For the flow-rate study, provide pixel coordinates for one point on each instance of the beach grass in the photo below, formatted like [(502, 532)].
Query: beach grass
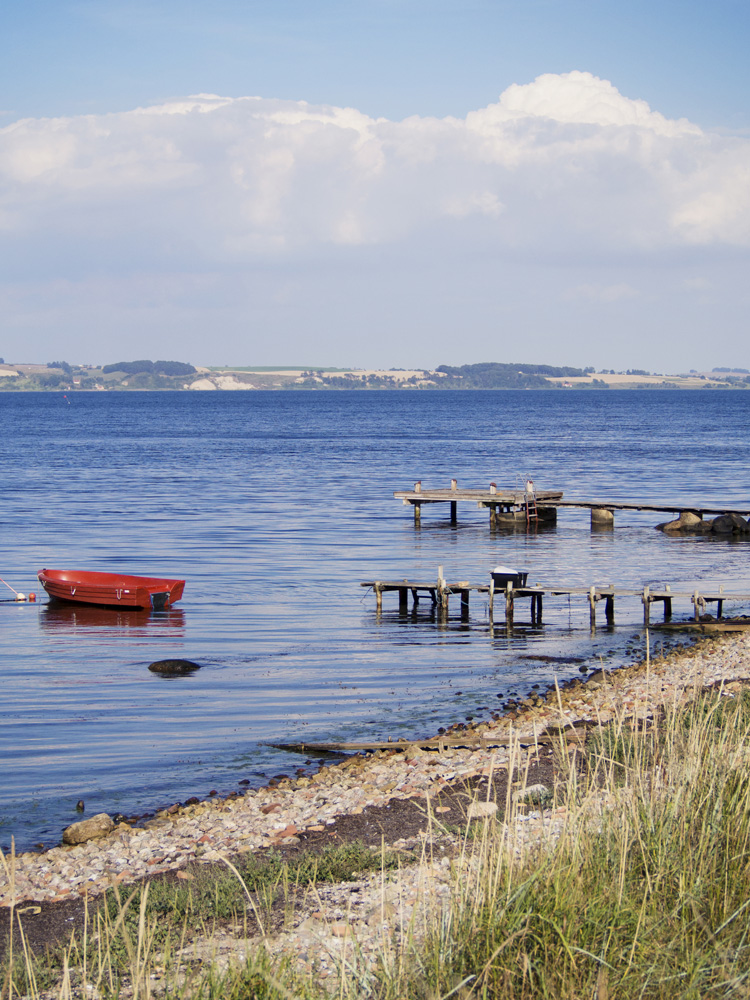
[(643, 893)]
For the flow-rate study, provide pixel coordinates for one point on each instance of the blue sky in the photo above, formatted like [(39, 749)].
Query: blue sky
[(595, 213)]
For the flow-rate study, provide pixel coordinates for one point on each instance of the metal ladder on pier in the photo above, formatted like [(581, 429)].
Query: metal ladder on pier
[(532, 515)]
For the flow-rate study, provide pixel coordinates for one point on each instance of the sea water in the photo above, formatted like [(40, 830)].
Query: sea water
[(274, 506)]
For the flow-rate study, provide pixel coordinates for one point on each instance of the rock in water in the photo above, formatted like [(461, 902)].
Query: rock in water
[(88, 829), (174, 666), (725, 524)]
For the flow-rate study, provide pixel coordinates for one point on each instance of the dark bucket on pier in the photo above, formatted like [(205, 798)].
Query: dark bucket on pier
[(502, 576)]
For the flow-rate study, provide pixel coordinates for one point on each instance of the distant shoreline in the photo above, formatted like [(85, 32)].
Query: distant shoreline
[(178, 376), (612, 387)]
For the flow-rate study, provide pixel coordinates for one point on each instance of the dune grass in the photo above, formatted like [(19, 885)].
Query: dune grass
[(647, 892), (644, 894)]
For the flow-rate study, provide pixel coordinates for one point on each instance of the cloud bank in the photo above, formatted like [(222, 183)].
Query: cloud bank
[(563, 158), (562, 167)]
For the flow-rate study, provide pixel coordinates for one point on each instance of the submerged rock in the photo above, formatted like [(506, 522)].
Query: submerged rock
[(173, 666)]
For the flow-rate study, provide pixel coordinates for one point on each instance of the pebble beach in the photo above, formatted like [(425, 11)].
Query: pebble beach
[(273, 817)]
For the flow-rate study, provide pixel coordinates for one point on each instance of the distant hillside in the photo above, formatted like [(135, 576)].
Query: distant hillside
[(494, 375), (144, 375)]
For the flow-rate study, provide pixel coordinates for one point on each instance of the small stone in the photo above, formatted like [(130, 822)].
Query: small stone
[(481, 810), (538, 794)]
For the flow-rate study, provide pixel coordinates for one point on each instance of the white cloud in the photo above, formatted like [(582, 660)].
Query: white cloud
[(285, 221), (576, 98), (564, 162)]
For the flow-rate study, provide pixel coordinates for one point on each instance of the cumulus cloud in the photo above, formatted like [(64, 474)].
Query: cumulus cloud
[(565, 162)]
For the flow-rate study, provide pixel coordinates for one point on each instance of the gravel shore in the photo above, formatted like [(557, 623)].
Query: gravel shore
[(340, 916)]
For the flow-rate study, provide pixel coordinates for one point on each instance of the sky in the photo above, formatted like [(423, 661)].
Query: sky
[(376, 183)]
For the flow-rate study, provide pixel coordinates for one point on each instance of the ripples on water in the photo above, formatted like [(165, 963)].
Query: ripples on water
[(273, 506)]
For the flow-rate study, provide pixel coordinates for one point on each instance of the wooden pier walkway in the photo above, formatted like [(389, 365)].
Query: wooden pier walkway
[(532, 506), (440, 591)]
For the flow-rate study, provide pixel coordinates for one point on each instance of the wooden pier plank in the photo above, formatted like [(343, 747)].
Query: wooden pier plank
[(554, 498)]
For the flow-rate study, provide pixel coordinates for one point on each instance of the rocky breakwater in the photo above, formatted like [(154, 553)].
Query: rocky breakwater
[(689, 523), (274, 817)]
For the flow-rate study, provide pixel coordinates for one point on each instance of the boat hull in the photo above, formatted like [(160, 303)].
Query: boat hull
[(110, 590)]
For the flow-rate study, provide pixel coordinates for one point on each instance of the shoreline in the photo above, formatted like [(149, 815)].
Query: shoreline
[(275, 816)]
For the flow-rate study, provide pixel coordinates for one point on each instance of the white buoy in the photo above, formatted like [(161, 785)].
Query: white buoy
[(20, 597)]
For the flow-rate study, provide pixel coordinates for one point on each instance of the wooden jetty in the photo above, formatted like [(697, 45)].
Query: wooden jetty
[(440, 592), (532, 507), (505, 505)]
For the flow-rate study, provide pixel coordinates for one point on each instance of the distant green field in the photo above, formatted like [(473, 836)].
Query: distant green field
[(277, 368)]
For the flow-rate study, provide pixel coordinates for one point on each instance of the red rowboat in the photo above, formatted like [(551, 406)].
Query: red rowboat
[(112, 590)]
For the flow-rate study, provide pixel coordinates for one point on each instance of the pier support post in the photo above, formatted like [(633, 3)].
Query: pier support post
[(378, 597), (667, 606), (417, 515), (464, 603), (700, 605), (509, 603), (403, 600), (602, 519), (491, 606), (536, 609), (454, 512), (442, 591), (609, 608), (646, 606), (592, 607)]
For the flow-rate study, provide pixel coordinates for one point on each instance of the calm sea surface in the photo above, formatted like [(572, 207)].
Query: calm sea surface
[(274, 506)]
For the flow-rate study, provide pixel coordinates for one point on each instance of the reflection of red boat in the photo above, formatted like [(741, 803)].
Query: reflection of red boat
[(113, 590), (61, 616)]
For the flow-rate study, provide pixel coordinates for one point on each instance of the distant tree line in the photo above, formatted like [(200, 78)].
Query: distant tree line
[(494, 375), (150, 368)]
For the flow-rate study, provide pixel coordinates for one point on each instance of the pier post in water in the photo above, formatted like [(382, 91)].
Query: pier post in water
[(454, 505), (493, 507), (442, 591), (509, 603), (592, 607), (609, 606), (602, 519), (536, 609), (418, 506)]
